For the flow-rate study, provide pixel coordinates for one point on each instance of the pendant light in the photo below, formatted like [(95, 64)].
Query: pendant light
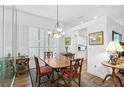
[(57, 31)]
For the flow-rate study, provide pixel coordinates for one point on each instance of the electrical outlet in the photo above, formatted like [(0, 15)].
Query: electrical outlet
[(95, 66)]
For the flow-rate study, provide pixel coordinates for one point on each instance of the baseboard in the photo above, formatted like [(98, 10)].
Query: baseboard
[(13, 80)]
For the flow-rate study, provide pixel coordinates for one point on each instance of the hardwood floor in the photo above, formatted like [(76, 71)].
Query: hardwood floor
[(87, 80)]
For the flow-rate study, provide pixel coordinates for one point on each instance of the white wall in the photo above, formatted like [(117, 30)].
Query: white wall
[(97, 53), (34, 21), (113, 25)]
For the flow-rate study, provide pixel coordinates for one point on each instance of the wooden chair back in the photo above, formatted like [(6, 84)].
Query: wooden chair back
[(76, 65), (71, 56), (37, 65), (48, 54)]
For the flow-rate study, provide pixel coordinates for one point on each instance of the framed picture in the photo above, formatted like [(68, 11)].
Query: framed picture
[(116, 36), (67, 40), (96, 38)]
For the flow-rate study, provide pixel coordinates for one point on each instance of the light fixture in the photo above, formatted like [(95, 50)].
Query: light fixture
[(114, 47), (57, 31)]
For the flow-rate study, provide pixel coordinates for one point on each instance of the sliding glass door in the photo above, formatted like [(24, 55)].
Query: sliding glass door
[(7, 45), (33, 41), (1, 46)]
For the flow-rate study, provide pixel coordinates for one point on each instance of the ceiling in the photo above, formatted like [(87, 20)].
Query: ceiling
[(75, 14)]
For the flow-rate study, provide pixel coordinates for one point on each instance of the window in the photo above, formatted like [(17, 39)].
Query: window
[(38, 42)]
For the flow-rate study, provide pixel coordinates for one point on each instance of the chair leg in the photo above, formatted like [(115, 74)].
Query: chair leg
[(48, 75), (36, 76), (58, 83), (38, 81), (69, 82), (65, 82), (52, 75), (119, 81), (79, 80), (58, 80)]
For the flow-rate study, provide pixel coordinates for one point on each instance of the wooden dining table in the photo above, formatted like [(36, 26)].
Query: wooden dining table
[(57, 62)]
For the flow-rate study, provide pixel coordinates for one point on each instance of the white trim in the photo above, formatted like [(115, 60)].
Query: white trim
[(13, 80), (3, 31)]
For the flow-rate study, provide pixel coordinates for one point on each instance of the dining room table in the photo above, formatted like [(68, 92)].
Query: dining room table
[(58, 63)]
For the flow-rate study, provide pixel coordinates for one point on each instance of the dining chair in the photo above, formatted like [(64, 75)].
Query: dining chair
[(22, 65), (69, 55), (48, 54), (41, 71), (72, 73)]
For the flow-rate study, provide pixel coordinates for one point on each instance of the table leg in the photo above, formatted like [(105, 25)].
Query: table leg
[(119, 80), (56, 80), (114, 80), (58, 77), (114, 76), (109, 75)]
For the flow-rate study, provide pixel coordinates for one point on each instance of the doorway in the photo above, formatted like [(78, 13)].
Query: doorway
[(81, 44)]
